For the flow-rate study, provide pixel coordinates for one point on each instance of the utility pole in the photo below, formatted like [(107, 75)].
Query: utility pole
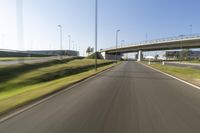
[(96, 32)]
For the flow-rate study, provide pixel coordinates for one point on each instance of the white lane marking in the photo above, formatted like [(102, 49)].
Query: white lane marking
[(183, 81), (28, 107)]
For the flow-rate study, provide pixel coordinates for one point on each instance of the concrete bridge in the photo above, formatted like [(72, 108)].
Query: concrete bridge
[(180, 42)]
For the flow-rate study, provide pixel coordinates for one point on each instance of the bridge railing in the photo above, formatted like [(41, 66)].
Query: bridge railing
[(162, 40)]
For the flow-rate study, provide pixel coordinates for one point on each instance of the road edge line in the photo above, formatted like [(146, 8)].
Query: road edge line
[(50, 96), (174, 77)]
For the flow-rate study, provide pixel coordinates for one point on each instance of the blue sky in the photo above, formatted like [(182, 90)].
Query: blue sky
[(135, 19)]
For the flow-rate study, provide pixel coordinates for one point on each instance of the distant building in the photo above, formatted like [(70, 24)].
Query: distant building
[(194, 54), (15, 53), (55, 52), (177, 54), (39, 53)]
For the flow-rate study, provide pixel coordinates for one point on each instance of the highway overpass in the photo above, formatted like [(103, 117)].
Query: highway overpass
[(180, 42)]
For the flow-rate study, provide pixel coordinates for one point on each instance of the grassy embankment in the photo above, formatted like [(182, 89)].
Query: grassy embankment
[(23, 83), (17, 58), (186, 73)]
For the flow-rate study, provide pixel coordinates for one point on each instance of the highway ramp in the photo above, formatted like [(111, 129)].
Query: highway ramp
[(130, 98)]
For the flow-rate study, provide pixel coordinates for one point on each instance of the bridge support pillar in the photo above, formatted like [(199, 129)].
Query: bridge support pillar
[(139, 55)]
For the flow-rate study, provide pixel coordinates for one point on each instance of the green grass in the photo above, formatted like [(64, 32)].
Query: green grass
[(10, 58), (17, 58), (185, 73), (23, 83)]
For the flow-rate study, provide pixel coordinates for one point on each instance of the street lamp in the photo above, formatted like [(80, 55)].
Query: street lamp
[(72, 45), (69, 36), (60, 26), (96, 31), (117, 32)]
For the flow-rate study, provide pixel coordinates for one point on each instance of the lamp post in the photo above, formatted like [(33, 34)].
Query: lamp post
[(60, 27), (96, 31), (117, 33), (69, 36), (74, 45)]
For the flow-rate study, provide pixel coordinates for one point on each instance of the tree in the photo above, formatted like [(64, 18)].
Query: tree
[(156, 57), (172, 54), (185, 54), (89, 50), (92, 50)]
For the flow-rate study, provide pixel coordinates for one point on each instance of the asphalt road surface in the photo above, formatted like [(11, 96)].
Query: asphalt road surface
[(130, 98)]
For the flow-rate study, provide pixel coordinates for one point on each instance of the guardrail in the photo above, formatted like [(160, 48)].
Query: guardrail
[(162, 40)]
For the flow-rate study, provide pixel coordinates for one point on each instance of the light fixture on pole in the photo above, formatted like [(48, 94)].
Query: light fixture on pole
[(72, 45)]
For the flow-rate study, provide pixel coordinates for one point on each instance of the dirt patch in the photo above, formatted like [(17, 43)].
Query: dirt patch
[(196, 81)]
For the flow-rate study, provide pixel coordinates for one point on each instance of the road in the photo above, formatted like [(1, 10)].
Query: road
[(130, 98)]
